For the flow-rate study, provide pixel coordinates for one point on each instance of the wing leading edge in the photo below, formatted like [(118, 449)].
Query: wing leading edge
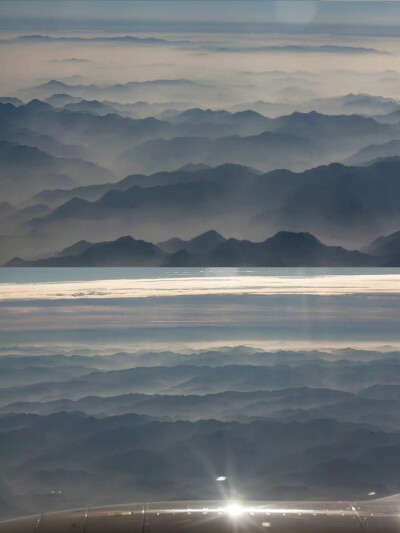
[(375, 516)]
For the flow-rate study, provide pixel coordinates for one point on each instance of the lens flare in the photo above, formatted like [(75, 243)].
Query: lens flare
[(234, 509)]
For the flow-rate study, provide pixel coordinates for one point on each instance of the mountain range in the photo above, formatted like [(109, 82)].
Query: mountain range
[(242, 166), (27, 170), (178, 88), (346, 205), (70, 420), (126, 145), (285, 249), (84, 169), (286, 142)]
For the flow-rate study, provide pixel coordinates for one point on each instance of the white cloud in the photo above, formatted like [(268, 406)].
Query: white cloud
[(206, 285)]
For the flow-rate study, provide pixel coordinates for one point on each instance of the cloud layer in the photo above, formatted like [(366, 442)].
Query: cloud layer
[(213, 282)]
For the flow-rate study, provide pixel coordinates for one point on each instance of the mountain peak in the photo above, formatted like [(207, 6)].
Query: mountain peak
[(53, 84), (201, 244), (210, 234), (126, 240), (192, 167), (37, 104), (291, 237)]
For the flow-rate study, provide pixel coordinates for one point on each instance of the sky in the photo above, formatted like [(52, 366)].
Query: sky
[(196, 15), (247, 36), (193, 306)]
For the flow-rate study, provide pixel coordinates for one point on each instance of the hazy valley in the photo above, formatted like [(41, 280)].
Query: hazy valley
[(136, 419), (234, 169), (245, 153)]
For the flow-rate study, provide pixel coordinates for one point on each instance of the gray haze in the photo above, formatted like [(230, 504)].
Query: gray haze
[(165, 120), (213, 139), (189, 376)]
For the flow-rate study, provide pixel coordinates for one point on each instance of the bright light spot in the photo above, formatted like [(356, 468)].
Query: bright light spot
[(234, 509), (371, 493), (222, 478), (266, 524)]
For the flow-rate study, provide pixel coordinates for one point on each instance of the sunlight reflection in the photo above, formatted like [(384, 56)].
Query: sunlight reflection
[(319, 285)]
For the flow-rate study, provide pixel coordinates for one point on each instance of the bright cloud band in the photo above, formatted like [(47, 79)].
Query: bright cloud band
[(320, 285)]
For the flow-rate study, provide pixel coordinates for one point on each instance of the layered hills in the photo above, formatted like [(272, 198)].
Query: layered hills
[(285, 249)]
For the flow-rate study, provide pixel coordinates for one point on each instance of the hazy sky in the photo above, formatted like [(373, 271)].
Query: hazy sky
[(192, 15), (247, 36)]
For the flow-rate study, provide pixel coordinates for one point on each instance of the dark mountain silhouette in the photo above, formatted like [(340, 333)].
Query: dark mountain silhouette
[(109, 137), (342, 205), (94, 417), (295, 141), (183, 175), (125, 251), (346, 205), (26, 170), (61, 99), (208, 249), (37, 105), (46, 143), (386, 248), (128, 39), (90, 106), (355, 103), (311, 458), (264, 151), (286, 249), (137, 110), (202, 244), (19, 216), (180, 89), (374, 151), (102, 136), (11, 100), (299, 48), (77, 248), (348, 104), (243, 123), (353, 202), (192, 167), (339, 126), (189, 379), (224, 406), (389, 118)]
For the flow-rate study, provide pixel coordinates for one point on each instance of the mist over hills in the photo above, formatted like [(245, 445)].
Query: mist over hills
[(77, 168), (169, 135), (188, 174), (83, 417), (285, 249), (202, 244), (314, 134), (180, 89), (365, 104), (27, 170), (297, 141), (348, 206), (374, 152)]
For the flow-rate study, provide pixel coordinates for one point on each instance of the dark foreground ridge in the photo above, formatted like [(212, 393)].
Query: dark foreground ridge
[(285, 249)]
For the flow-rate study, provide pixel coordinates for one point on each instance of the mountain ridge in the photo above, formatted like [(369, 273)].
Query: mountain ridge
[(208, 249)]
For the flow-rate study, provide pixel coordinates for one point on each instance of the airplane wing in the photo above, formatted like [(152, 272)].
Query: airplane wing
[(374, 516)]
